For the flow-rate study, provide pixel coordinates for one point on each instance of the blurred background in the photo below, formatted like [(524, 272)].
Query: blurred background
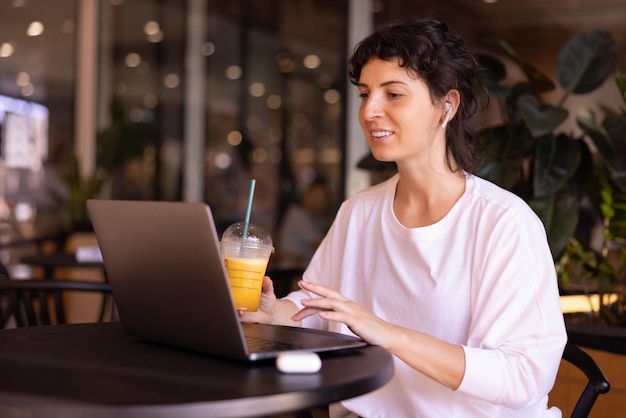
[(189, 100)]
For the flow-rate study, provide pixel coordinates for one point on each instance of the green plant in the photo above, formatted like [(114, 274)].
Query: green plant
[(77, 190), (123, 140), (560, 173)]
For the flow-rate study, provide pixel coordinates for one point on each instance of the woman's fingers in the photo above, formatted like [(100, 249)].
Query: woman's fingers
[(305, 313), (320, 290), (266, 305), (330, 301)]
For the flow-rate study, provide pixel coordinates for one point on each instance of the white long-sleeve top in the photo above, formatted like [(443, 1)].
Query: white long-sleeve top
[(482, 277)]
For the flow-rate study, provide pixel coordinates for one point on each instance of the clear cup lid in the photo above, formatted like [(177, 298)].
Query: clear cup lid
[(255, 236)]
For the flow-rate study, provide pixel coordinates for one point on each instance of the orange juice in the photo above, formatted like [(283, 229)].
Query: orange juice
[(246, 279)]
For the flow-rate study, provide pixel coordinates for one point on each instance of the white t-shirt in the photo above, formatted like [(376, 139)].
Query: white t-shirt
[(482, 277)]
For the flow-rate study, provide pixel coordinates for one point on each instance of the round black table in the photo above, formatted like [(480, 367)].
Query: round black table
[(52, 261), (97, 370)]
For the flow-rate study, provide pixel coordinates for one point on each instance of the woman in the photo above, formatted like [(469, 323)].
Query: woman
[(448, 272)]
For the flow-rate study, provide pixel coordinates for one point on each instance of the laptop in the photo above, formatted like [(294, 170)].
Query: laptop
[(163, 262)]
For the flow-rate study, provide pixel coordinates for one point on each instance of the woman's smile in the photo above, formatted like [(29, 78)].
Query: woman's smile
[(381, 135)]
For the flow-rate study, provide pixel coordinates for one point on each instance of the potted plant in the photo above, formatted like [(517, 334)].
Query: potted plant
[(563, 175), (72, 199), (120, 144)]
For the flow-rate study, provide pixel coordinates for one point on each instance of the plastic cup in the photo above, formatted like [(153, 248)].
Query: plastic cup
[(246, 262)]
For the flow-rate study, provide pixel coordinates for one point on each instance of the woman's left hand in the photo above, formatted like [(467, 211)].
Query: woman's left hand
[(335, 307)]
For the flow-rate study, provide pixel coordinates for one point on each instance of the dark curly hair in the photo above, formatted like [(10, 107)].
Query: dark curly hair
[(440, 58)]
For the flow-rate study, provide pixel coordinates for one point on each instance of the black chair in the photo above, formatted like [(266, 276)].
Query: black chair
[(34, 302), (40, 301), (597, 383)]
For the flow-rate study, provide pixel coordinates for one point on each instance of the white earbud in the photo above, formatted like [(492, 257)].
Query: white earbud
[(448, 112)]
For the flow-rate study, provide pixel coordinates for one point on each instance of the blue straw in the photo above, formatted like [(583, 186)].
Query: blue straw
[(248, 210)]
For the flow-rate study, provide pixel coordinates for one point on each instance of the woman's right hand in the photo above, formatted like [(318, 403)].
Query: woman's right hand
[(267, 305)]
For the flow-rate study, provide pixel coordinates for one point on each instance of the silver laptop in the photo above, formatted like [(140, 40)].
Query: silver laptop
[(163, 262)]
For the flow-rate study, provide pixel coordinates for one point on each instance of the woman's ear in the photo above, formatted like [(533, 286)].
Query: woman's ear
[(448, 113), (451, 104)]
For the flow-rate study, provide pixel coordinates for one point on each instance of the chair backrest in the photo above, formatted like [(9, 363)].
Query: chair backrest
[(597, 383), (40, 301)]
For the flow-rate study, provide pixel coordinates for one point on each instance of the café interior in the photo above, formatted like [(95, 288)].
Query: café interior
[(189, 100)]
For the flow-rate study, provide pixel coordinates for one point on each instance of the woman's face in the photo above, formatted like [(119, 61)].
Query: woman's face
[(397, 113)]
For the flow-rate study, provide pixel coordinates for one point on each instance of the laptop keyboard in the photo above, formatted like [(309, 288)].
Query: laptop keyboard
[(259, 345)]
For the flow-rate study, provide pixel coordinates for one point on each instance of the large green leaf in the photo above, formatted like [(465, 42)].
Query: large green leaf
[(492, 72), (609, 138), (578, 185), (586, 120), (540, 118), (556, 161), (615, 126), (586, 61), (621, 84), (559, 214), (505, 152)]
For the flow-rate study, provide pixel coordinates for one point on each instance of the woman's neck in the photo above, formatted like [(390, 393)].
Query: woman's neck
[(424, 197)]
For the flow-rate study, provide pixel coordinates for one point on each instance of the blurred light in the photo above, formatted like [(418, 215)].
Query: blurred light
[(151, 27), (377, 6), (171, 81), (6, 50), (208, 49), (157, 37), (285, 63), (132, 60), (332, 96), (286, 66), (19, 3), (330, 156), (257, 89), (153, 31), (259, 155), (234, 138), (67, 26), (150, 101), (274, 101), (490, 1), (300, 120), (24, 212), (311, 61), (222, 160), (23, 79), (21, 271), (35, 28), (233, 72)]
